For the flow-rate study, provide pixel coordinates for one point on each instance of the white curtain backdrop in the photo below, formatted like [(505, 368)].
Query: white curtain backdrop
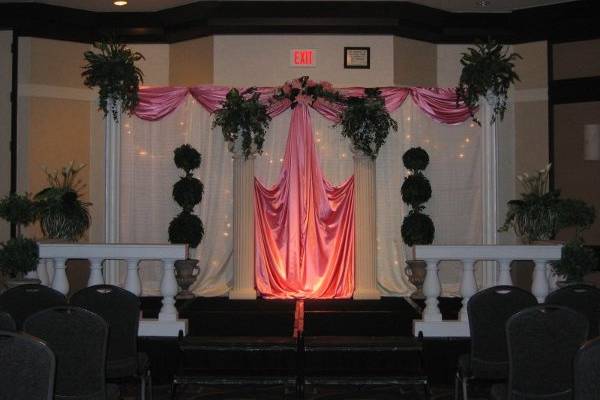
[(148, 174)]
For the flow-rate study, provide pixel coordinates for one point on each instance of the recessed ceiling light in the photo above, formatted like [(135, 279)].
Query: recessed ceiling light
[(120, 3), (483, 3)]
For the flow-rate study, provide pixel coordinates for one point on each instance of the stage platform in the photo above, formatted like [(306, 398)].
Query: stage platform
[(219, 316)]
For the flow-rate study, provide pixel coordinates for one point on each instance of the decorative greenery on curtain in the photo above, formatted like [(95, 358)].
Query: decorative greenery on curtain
[(367, 122), (307, 90)]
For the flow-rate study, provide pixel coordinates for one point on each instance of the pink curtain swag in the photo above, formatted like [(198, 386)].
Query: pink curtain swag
[(304, 226)]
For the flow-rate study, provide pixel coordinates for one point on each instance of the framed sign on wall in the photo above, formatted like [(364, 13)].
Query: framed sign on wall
[(357, 57)]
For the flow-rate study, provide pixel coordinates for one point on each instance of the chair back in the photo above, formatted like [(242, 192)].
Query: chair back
[(581, 298), (542, 342), (121, 311), (78, 339), (25, 300), (587, 371), (488, 312), (27, 368), (7, 323)]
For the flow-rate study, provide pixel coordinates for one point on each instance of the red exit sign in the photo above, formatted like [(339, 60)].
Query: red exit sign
[(303, 57)]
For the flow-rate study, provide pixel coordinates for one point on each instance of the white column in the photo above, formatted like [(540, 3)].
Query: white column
[(60, 281), (505, 278), (468, 287), (489, 176), (432, 290), (168, 290), (365, 223), (42, 272), (95, 272), (243, 225), (112, 169), (132, 280), (539, 286)]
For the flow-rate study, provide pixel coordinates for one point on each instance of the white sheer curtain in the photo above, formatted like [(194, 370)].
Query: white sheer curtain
[(148, 174)]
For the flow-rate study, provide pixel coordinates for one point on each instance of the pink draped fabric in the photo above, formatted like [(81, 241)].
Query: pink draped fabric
[(304, 226), (438, 103)]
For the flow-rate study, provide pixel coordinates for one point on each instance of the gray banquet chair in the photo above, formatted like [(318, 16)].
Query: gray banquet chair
[(27, 370), (121, 311), (488, 312), (587, 371), (581, 298), (7, 323), (542, 342), (25, 300), (78, 339)]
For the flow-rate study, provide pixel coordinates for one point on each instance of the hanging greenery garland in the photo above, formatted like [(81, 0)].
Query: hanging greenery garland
[(307, 90), (367, 122), (242, 114), (488, 71), (114, 72)]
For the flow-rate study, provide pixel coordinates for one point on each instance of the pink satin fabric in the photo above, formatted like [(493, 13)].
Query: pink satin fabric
[(304, 226), (438, 103)]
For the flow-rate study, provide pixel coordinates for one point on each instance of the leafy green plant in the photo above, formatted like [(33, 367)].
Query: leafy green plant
[(114, 72), (417, 227), (18, 209), (306, 90), (18, 256), (576, 261), (367, 122), (541, 213), (63, 214), (242, 114), (186, 227), (487, 70)]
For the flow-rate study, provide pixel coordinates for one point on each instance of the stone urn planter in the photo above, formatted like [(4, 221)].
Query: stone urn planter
[(416, 270), (186, 272)]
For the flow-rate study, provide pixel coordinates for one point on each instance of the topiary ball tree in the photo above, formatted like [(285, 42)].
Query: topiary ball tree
[(187, 228), (417, 227)]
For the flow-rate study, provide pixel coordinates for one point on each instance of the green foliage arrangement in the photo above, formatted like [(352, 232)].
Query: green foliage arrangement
[(18, 209), (487, 70), (186, 227), (541, 213), (114, 72), (306, 90), (417, 227), (242, 114), (367, 122), (63, 214), (18, 256), (576, 261)]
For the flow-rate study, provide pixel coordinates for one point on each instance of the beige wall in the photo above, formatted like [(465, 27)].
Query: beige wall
[(191, 62), (5, 113), (415, 63), (576, 59), (264, 60), (575, 177)]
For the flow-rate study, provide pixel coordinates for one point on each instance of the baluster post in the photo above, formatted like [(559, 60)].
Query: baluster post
[(60, 281), (132, 280), (505, 278), (42, 272), (468, 287), (432, 290), (539, 286), (96, 277), (168, 290)]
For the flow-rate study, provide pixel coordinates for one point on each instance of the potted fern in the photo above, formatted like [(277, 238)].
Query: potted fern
[(367, 122), (417, 227), (19, 255), (186, 227), (61, 210), (244, 121), (113, 70), (487, 72)]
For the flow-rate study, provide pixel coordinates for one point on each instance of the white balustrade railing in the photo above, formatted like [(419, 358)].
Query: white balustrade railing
[(56, 255), (432, 324)]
